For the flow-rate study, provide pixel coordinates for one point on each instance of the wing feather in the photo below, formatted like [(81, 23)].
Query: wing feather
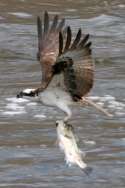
[(77, 39), (83, 41), (54, 24), (78, 75), (61, 43), (46, 23), (48, 46), (71, 58), (61, 24), (68, 40), (39, 30)]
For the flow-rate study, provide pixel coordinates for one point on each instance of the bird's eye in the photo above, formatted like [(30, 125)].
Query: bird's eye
[(20, 95)]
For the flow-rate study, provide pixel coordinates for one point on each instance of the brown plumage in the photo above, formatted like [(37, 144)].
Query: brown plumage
[(66, 64), (48, 46), (55, 48), (79, 76)]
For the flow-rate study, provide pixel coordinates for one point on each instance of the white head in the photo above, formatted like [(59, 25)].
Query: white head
[(27, 92)]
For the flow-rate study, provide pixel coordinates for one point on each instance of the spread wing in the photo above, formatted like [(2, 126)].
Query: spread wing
[(48, 46), (79, 72)]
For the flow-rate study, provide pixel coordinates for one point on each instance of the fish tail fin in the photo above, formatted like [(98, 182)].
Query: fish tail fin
[(87, 170), (81, 164)]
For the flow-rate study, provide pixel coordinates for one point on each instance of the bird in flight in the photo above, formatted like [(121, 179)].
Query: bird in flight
[(66, 64)]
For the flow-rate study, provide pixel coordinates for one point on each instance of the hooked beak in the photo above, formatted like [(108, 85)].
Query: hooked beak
[(20, 95)]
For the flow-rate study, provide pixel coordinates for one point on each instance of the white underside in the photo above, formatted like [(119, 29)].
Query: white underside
[(53, 96), (57, 97)]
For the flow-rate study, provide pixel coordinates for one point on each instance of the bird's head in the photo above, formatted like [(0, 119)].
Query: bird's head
[(27, 93)]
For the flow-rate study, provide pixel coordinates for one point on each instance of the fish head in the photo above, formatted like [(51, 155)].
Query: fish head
[(63, 127)]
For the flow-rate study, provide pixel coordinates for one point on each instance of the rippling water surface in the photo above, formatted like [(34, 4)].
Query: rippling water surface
[(28, 154)]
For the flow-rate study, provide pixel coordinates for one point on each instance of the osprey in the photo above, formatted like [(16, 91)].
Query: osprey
[(66, 64)]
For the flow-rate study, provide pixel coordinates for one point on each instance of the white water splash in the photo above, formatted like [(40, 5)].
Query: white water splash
[(31, 104), (20, 14), (41, 116), (17, 100), (89, 142), (12, 113), (14, 106)]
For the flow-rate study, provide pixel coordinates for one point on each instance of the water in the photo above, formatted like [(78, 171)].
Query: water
[(28, 154)]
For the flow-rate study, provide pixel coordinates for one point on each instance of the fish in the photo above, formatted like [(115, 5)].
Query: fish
[(67, 142)]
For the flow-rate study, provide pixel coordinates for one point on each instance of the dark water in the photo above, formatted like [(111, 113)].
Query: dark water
[(28, 155)]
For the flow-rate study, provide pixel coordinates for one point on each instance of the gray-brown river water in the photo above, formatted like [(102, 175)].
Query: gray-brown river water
[(28, 154)]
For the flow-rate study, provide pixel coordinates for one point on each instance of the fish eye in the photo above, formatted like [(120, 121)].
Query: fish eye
[(70, 127)]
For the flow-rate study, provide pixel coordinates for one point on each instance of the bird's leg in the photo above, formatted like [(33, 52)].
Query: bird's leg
[(69, 114), (67, 118), (64, 107)]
